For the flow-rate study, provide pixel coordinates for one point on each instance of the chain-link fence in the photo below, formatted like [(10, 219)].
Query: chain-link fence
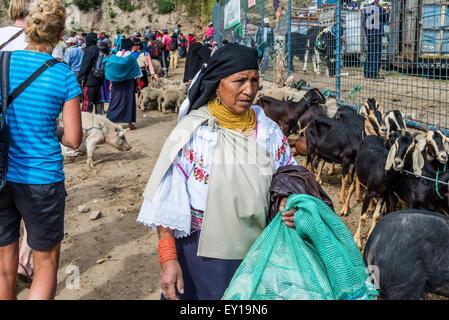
[(396, 51)]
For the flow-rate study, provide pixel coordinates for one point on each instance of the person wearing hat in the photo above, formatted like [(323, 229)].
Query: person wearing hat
[(374, 19), (198, 200), (73, 56), (214, 47), (264, 42), (146, 32)]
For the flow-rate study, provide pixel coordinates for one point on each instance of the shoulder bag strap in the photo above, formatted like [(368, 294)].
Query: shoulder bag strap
[(28, 81), (12, 38)]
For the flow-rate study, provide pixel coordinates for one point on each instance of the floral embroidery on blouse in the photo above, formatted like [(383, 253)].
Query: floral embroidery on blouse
[(282, 149), (198, 170)]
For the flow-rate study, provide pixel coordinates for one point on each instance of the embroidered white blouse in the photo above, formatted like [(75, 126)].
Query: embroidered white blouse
[(184, 186)]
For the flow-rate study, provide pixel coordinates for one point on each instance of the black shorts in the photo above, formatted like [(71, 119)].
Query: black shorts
[(41, 206)]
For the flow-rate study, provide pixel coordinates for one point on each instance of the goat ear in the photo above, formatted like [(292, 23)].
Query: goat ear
[(422, 143), (364, 111), (391, 156), (418, 161), (446, 143)]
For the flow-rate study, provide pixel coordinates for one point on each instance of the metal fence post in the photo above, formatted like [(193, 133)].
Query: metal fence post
[(289, 39), (246, 20), (219, 19), (261, 15), (338, 48)]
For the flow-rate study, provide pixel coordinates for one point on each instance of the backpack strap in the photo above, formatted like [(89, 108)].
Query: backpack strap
[(28, 81), (5, 57)]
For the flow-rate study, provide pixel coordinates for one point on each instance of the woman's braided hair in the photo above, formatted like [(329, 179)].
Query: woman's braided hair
[(45, 22)]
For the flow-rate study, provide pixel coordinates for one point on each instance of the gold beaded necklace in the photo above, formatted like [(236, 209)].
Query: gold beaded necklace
[(244, 123)]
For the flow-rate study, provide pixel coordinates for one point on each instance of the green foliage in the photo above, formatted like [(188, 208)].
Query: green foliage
[(165, 6), (112, 13), (86, 5), (150, 18), (125, 5), (201, 8)]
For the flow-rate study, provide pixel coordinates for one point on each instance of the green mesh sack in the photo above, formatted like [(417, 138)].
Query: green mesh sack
[(317, 261)]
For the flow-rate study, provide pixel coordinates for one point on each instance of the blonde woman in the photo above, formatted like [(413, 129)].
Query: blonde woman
[(35, 189), (13, 37)]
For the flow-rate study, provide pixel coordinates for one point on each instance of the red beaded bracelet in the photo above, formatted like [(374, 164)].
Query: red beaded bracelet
[(167, 250)]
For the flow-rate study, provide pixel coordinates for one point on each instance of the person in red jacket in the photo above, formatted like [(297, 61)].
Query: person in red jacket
[(158, 34), (166, 40), (190, 39)]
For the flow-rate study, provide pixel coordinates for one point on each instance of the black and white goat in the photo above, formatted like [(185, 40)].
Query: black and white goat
[(336, 142), (422, 189), (374, 171)]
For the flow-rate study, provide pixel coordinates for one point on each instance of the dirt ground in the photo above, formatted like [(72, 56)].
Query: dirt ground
[(116, 257)]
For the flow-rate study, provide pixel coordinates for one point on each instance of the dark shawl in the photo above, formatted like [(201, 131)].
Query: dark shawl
[(197, 55), (294, 179), (227, 60)]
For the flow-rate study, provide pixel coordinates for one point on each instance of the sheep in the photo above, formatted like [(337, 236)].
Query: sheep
[(172, 98), (408, 252), (148, 98)]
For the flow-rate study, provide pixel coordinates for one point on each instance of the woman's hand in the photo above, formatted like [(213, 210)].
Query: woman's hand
[(171, 274), (288, 216)]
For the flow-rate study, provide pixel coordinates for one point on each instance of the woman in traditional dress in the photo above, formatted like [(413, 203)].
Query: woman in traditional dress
[(124, 73), (105, 88), (208, 194)]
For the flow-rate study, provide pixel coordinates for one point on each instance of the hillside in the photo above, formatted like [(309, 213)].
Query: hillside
[(131, 15)]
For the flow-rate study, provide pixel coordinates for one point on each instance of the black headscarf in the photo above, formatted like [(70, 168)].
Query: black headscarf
[(127, 44), (227, 60)]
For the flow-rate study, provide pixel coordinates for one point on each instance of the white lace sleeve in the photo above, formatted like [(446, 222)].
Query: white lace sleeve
[(170, 207)]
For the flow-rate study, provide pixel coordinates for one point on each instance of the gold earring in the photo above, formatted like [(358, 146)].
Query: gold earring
[(218, 97)]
